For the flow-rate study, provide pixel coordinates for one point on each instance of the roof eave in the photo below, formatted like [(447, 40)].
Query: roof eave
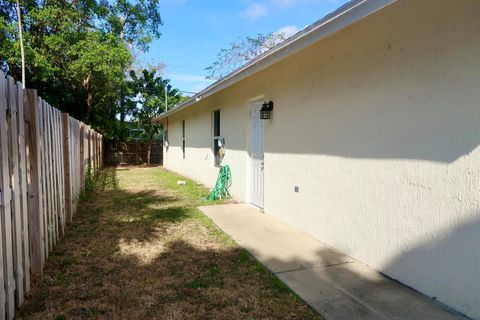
[(346, 15)]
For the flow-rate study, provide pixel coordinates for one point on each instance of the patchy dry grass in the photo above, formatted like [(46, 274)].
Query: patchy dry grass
[(139, 249)]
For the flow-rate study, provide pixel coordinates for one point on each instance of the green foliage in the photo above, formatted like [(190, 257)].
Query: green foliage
[(149, 96), (241, 52), (78, 53), (89, 184), (136, 22), (89, 180)]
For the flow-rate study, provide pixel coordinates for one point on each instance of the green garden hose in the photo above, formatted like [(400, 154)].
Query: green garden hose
[(224, 182)]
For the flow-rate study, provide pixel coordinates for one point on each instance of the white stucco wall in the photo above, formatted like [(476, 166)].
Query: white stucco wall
[(199, 161), (379, 127)]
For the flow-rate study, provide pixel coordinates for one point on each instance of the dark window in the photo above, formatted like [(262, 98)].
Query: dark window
[(183, 138), (216, 123), (216, 137)]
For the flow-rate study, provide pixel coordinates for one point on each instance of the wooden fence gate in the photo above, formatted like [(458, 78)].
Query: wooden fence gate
[(44, 159)]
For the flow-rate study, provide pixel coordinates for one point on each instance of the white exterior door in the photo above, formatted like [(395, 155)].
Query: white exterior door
[(256, 156)]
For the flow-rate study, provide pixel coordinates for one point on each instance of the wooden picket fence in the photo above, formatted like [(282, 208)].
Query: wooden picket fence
[(45, 156)]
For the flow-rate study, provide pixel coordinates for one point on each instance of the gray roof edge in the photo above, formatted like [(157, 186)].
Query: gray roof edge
[(339, 19)]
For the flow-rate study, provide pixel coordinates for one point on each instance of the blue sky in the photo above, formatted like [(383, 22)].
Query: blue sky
[(195, 30)]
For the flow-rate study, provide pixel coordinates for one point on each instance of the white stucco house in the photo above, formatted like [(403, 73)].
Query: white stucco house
[(373, 142)]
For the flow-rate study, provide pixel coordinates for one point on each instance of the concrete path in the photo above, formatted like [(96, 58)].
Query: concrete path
[(335, 285)]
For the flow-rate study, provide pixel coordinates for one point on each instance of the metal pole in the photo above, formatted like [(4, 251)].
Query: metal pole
[(20, 35), (166, 99)]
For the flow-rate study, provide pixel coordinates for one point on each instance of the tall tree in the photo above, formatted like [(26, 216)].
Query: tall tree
[(136, 23), (241, 52), (99, 63), (149, 96), (78, 53)]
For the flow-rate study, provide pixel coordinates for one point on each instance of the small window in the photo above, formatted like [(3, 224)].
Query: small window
[(217, 138), (216, 123), (183, 139)]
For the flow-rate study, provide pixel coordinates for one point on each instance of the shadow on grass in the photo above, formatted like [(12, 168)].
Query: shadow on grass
[(148, 253)]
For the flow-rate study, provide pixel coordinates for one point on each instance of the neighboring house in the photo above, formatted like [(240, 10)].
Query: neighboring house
[(373, 142)]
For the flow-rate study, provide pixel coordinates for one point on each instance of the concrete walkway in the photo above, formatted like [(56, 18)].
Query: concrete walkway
[(335, 285)]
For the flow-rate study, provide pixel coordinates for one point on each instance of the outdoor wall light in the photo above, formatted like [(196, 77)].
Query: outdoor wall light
[(266, 110)]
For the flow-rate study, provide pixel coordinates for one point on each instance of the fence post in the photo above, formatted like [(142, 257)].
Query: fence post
[(89, 144), (21, 102), (101, 151), (35, 194), (43, 178), (82, 157), (4, 197), (62, 170), (66, 167)]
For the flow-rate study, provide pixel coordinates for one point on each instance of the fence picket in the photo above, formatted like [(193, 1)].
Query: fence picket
[(43, 179), (14, 172), (55, 180), (7, 208), (4, 192), (43, 157), (61, 173), (49, 158), (82, 157), (21, 99), (34, 171)]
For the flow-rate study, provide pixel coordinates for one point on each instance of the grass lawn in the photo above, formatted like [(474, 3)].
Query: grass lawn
[(140, 249)]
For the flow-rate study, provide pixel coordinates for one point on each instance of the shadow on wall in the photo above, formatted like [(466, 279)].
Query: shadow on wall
[(399, 100), (411, 125), (416, 128), (448, 264)]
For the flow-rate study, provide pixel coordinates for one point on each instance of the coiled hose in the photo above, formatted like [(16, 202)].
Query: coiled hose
[(224, 182)]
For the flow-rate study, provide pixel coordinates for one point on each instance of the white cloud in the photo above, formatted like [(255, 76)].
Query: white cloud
[(254, 11), (288, 31)]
